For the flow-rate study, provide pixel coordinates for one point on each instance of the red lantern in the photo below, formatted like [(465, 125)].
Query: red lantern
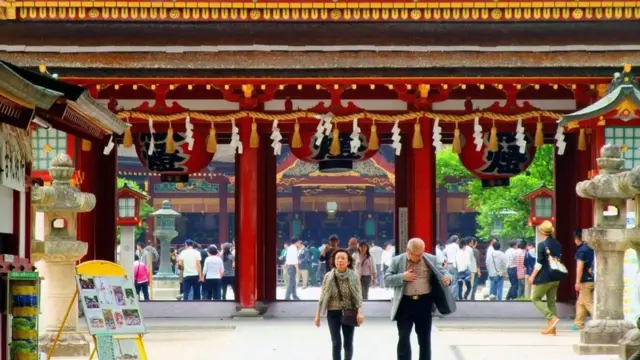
[(174, 167), (319, 153), (496, 168)]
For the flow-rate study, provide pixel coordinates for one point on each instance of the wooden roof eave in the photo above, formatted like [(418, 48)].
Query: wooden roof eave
[(23, 92), (87, 105), (604, 105)]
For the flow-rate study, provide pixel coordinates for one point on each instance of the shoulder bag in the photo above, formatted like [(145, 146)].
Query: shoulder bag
[(349, 316), (557, 270)]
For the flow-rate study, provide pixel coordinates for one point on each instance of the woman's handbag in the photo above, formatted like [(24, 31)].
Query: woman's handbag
[(349, 316), (557, 270)]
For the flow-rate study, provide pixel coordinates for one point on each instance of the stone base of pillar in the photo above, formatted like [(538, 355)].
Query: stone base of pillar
[(69, 344), (165, 289), (601, 337), (629, 345), (247, 313)]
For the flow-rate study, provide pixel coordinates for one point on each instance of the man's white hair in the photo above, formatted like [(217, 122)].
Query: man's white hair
[(415, 244)]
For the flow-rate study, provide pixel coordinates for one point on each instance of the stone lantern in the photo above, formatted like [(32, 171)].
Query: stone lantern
[(166, 284), (128, 219), (610, 239), (60, 251)]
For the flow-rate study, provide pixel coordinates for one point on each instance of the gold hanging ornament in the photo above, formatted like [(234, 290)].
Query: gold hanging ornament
[(254, 140), (212, 142), (456, 147), (493, 138), (86, 145), (335, 141), (582, 140), (374, 142), (296, 141), (417, 135), (170, 147)]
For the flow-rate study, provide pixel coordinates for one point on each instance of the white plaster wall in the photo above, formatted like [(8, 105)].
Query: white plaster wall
[(6, 210)]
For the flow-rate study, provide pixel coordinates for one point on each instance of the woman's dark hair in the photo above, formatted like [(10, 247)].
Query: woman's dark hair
[(136, 258), (338, 251), (212, 250), (496, 245), (366, 252), (462, 243), (334, 237), (226, 252), (522, 244)]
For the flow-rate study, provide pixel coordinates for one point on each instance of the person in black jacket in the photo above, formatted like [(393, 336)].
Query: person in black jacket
[(545, 280)]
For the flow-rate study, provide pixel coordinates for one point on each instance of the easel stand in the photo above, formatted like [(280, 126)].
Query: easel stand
[(90, 271)]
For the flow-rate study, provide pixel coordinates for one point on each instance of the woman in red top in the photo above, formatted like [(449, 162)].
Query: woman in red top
[(141, 278)]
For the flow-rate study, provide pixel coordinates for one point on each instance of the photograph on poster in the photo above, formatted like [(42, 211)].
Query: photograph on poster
[(110, 305), (126, 349)]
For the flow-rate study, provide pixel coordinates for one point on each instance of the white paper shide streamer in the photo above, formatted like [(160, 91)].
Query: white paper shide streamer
[(560, 143), (355, 137), (189, 132), (235, 143), (395, 131), (276, 137), (152, 143), (437, 136), (520, 137), (109, 147), (478, 138), (324, 127)]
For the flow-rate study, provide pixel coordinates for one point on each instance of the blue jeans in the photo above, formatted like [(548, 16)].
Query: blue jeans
[(475, 279), (379, 275), (496, 285), (463, 278)]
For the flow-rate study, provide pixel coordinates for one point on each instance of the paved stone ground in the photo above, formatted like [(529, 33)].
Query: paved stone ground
[(481, 339)]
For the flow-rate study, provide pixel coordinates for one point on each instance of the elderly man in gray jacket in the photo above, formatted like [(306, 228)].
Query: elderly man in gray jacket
[(419, 282)]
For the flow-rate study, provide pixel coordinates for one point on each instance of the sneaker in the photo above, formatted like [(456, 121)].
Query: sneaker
[(575, 328)]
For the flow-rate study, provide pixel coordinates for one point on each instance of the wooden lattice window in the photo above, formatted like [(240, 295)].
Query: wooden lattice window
[(630, 138), (47, 143)]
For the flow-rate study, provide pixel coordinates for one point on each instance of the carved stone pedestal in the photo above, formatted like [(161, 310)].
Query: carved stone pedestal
[(165, 288), (69, 344), (630, 344), (602, 334)]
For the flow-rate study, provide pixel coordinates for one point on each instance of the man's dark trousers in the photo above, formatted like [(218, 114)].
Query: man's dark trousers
[(414, 310)]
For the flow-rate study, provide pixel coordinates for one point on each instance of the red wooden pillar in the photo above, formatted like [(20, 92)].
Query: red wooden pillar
[(223, 216), (268, 247), (87, 221), (566, 210), (443, 214), (422, 190), (247, 231), (105, 212)]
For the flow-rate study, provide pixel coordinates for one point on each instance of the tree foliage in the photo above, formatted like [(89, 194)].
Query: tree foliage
[(499, 205), (145, 208)]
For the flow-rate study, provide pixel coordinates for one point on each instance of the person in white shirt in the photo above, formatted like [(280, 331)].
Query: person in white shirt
[(512, 271), (376, 251), (213, 271), (190, 262), (450, 252), (385, 259), (291, 263), (463, 262), (440, 255)]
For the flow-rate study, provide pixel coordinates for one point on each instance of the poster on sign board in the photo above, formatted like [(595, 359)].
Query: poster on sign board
[(110, 305)]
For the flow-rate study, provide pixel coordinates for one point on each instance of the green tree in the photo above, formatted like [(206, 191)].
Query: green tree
[(499, 205), (145, 208)]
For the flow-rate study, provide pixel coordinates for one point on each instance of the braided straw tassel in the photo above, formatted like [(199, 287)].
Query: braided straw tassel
[(170, 147), (582, 140), (539, 140), (374, 142), (417, 136), (493, 138), (335, 141), (296, 140), (456, 147), (212, 143), (254, 140)]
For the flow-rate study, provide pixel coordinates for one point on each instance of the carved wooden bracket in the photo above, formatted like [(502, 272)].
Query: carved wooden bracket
[(420, 102), (335, 106), (511, 105), (160, 105), (250, 97)]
